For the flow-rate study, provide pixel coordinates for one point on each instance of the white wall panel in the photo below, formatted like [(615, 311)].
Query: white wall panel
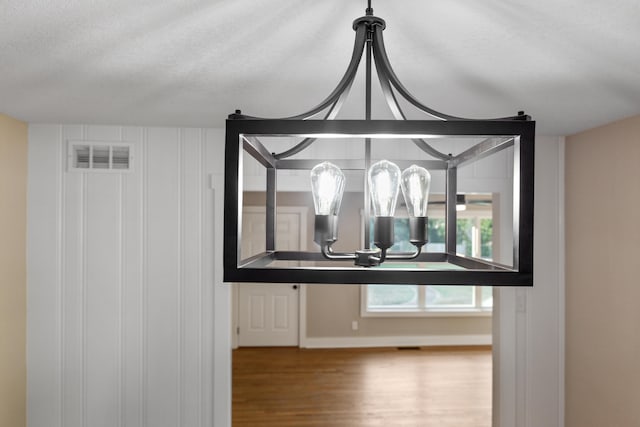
[(73, 241), (191, 190), (162, 284), (220, 341), (529, 323), (121, 295), (133, 278), (44, 275), (102, 301), (543, 320)]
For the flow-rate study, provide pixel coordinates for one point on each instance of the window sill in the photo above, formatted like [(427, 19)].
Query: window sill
[(451, 312)]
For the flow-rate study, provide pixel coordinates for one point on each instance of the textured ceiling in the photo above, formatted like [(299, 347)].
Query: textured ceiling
[(570, 64)]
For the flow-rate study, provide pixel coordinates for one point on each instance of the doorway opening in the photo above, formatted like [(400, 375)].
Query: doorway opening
[(275, 330)]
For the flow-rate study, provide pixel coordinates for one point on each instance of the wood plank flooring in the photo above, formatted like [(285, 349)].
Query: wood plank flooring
[(362, 387)]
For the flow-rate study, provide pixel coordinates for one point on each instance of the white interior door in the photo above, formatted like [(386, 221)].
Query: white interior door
[(268, 314)]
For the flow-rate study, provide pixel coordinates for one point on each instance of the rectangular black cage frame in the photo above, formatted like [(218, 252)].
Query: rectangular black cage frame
[(245, 135)]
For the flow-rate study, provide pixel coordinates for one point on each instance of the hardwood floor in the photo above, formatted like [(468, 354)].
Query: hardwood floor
[(362, 387)]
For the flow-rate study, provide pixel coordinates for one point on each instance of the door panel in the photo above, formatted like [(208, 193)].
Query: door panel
[(256, 314), (268, 314)]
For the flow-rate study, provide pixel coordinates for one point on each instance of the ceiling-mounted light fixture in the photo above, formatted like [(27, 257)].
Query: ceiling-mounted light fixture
[(447, 144)]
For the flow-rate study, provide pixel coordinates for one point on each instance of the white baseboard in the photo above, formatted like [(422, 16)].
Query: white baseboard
[(396, 341)]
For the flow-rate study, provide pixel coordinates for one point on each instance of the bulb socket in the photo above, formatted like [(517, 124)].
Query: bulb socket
[(418, 230), (325, 229), (383, 232)]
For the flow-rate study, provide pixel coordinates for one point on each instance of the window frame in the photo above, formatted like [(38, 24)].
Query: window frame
[(422, 310)]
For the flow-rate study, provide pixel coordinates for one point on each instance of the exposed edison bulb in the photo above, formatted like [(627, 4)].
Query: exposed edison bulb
[(327, 186), (384, 184), (415, 185)]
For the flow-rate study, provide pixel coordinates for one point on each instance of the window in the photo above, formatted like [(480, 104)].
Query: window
[(474, 238)]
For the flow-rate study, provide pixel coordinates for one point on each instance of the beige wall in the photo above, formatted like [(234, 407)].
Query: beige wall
[(602, 276), (13, 285), (334, 307)]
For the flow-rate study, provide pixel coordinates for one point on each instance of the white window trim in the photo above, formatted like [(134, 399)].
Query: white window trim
[(424, 311)]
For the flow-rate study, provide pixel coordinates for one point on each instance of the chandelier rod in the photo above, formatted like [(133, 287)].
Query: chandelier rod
[(367, 141)]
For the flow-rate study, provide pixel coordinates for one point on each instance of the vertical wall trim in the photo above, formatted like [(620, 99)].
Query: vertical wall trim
[(545, 309), (561, 281), (121, 303), (60, 258), (180, 290), (524, 372), (144, 229), (84, 291), (201, 204)]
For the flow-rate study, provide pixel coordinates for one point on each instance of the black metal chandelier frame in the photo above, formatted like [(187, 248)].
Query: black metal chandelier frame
[(244, 133)]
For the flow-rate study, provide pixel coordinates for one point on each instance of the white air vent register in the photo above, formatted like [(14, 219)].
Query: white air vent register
[(99, 156)]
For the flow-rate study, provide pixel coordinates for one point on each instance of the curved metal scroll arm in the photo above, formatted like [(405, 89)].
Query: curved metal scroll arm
[(397, 112), (344, 84), (295, 149), (384, 67), (331, 114)]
